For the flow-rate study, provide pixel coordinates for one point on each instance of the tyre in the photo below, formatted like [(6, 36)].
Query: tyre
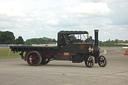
[(102, 62), (89, 61), (34, 58)]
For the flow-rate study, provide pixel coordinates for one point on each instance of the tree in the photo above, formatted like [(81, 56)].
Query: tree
[(19, 40), (7, 37)]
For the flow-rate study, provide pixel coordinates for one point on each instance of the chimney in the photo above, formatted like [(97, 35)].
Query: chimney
[(96, 37)]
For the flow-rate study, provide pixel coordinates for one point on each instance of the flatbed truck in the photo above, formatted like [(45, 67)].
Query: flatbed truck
[(75, 46)]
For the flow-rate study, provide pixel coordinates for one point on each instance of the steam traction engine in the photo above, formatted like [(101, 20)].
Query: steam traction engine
[(76, 46)]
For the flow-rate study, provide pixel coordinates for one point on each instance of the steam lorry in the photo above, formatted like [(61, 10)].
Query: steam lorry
[(75, 46)]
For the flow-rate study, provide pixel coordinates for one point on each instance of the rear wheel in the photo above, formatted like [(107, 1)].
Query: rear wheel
[(89, 61), (34, 58), (45, 61), (102, 62)]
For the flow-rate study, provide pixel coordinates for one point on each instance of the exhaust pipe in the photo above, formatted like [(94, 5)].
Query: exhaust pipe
[(96, 37)]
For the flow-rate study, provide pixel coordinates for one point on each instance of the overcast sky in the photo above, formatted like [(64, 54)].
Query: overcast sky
[(44, 18)]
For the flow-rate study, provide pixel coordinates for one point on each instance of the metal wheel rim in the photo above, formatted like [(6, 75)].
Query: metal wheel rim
[(33, 59), (89, 61), (102, 61)]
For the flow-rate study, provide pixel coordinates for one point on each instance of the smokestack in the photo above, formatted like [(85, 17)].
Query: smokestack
[(96, 37)]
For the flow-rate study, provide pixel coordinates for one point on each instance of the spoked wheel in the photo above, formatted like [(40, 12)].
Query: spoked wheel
[(34, 58), (89, 62), (102, 62), (45, 61)]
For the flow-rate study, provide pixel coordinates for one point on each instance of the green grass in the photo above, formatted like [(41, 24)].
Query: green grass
[(7, 53)]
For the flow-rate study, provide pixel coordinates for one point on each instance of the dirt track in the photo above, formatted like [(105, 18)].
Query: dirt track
[(18, 72)]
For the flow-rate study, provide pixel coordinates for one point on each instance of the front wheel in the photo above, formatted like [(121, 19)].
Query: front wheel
[(102, 62), (89, 61), (34, 58)]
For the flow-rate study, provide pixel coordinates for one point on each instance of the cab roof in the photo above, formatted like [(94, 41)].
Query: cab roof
[(72, 32)]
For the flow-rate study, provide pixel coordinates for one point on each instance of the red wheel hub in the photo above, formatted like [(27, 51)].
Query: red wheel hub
[(33, 59)]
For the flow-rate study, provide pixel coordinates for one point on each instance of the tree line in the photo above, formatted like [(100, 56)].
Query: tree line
[(115, 42), (7, 37), (43, 40)]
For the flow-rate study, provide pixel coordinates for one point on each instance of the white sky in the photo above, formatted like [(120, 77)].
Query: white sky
[(44, 18)]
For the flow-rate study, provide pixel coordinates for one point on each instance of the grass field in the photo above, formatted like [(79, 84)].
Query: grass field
[(7, 53)]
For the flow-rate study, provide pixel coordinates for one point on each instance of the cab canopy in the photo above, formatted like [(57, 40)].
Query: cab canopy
[(72, 32)]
